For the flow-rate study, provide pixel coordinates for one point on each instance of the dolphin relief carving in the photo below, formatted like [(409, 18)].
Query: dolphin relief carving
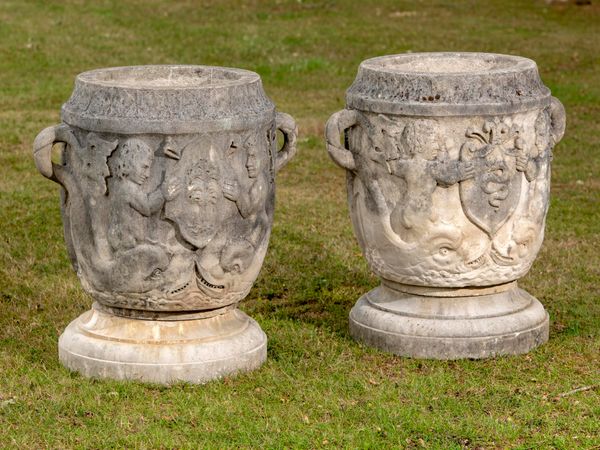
[(87, 208), (368, 171), (399, 167), (183, 221), (212, 221)]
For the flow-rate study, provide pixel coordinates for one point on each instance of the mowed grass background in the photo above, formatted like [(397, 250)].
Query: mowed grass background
[(318, 388)]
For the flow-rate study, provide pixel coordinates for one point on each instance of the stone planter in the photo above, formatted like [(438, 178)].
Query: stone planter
[(448, 174), (168, 184)]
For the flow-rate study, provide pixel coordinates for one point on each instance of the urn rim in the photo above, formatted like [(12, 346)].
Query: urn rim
[(167, 99), (447, 84)]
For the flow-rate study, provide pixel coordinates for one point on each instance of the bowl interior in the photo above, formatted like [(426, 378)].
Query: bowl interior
[(144, 77), (447, 63)]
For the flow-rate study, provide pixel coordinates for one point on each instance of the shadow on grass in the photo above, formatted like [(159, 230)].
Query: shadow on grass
[(303, 280)]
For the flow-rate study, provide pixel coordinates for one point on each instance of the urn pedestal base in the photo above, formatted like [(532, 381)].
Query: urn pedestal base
[(101, 345), (449, 323)]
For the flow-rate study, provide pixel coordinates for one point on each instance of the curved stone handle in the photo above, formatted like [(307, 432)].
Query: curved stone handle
[(42, 152), (338, 123), (287, 125), (557, 119)]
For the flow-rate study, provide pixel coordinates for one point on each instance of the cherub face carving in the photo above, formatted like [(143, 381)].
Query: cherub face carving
[(136, 161), (252, 163)]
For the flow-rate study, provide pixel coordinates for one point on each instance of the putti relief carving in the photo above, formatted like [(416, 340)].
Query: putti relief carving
[(448, 163), (182, 217), (173, 231), (410, 176), (168, 195)]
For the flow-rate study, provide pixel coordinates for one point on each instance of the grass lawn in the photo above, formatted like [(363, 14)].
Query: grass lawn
[(318, 388)]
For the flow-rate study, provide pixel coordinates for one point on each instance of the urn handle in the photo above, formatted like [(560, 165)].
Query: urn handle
[(287, 125), (557, 119), (42, 152), (338, 123)]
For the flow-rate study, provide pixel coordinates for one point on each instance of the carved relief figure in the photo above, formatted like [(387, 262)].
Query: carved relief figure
[(94, 163), (218, 267), (89, 159), (374, 189), (138, 259), (250, 194), (405, 164), (227, 255), (373, 165), (423, 164), (117, 259), (535, 165), (131, 205), (539, 174)]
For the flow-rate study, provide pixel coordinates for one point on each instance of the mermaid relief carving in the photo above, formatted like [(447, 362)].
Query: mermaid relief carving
[(402, 172), (180, 221)]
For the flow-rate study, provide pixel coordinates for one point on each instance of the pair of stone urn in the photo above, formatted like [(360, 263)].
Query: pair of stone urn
[(168, 184)]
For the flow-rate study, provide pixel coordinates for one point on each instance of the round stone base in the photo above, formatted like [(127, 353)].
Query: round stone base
[(442, 323), (100, 345)]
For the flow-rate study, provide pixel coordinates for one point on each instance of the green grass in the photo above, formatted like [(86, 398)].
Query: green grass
[(318, 388)]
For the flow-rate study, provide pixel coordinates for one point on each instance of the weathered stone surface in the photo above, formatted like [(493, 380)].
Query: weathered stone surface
[(99, 344), (448, 160), (167, 99), (168, 177), (496, 321)]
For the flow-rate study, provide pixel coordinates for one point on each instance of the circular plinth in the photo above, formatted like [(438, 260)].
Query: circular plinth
[(476, 324), (101, 345)]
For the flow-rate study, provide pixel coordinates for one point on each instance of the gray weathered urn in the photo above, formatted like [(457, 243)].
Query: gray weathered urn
[(448, 174), (168, 184)]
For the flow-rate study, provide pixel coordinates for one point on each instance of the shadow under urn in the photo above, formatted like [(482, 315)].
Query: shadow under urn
[(168, 186), (448, 160)]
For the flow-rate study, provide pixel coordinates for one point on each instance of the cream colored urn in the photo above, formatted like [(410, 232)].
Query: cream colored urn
[(448, 160)]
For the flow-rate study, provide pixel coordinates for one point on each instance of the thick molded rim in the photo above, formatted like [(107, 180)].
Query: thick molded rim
[(141, 100), (497, 84)]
